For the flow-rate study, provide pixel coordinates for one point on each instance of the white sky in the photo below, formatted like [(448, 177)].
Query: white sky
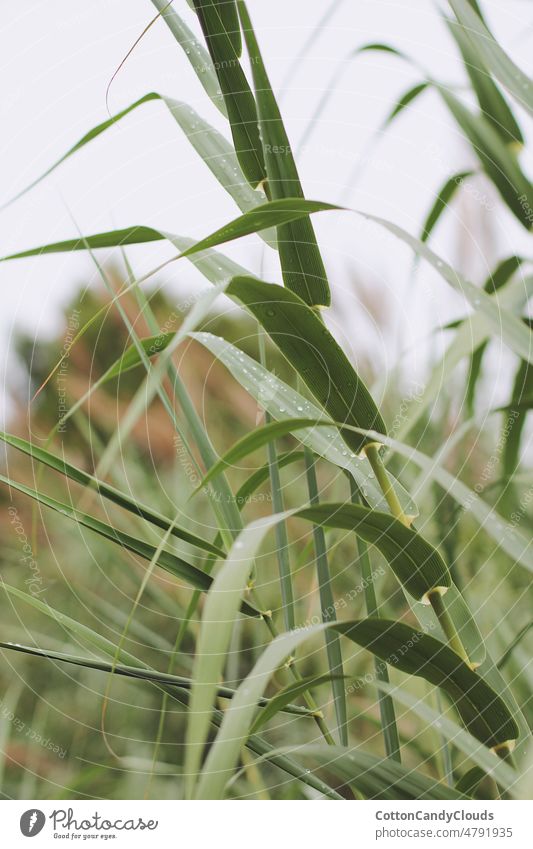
[(58, 56)]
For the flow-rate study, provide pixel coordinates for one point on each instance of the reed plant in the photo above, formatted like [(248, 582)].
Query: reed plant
[(266, 688)]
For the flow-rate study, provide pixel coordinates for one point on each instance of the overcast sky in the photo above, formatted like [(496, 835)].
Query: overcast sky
[(57, 59)]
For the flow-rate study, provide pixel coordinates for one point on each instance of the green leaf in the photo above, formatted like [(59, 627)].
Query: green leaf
[(168, 561), (471, 333), (468, 783), (218, 619), (280, 701), (515, 418), (491, 101), (140, 673), (239, 100), (517, 640), (255, 743), (313, 352), (501, 275), (229, 19), (482, 711), (441, 203), (461, 739), (504, 324), (415, 562), (498, 159), (282, 402), (374, 777), (107, 491), (497, 61), (404, 101), (196, 54), (417, 565), (254, 221), (301, 262), (506, 537)]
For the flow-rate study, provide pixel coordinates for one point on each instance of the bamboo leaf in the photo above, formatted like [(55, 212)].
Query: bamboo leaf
[(415, 562), (441, 203), (272, 706), (404, 101), (280, 701), (301, 263), (215, 151), (515, 418), (196, 54), (417, 565)]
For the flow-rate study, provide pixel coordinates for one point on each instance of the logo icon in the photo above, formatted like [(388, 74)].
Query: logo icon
[(32, 822)]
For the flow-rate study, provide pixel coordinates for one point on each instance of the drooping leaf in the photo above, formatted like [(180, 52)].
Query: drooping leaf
[(260, 218), (461, 739), (415, 562), (374, 777), (511, 329), (313, 352), (482, 711), (282, 402), (404, 101)]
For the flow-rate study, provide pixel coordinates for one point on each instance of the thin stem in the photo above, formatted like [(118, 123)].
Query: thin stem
[(282, 539), (374, 458), (309, 700), (386, 705), (327, 605), (447, 625)]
